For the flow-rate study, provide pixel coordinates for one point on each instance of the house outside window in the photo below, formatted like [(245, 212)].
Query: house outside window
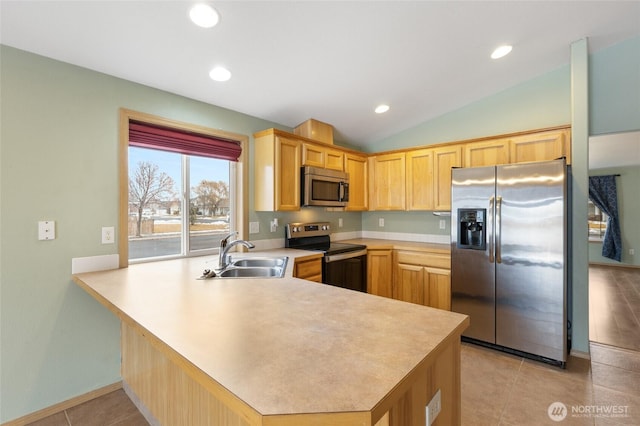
[(597, 222)]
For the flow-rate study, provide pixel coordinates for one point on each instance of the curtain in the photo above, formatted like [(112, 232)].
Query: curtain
[(146, 135), (603, 193)]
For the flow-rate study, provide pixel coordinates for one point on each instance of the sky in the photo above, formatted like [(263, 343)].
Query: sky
[(201, 168)]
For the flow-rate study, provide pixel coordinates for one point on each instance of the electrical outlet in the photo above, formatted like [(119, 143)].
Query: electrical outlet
[(381, 222), (443, 224), (339, 222), (254, 227), (107, 235), (433, 409), (632, 252)]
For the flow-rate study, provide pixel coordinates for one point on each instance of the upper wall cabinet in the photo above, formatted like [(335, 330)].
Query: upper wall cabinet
[(541, 146), (420, 183), (486, 153), (357, 167), (277, 172), (387, 182), (444, 159), (322, 156)]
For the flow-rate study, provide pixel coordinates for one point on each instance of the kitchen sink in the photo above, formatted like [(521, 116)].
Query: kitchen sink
[(253, 272), (280, 262)]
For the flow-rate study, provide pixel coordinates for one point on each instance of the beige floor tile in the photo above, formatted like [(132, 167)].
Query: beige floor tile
[(537, 388), (618, 357), (627, 407), (114, 408), (487, 377), (616, 378)]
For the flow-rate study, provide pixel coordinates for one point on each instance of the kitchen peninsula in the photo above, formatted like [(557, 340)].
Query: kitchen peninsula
[(277, 351)]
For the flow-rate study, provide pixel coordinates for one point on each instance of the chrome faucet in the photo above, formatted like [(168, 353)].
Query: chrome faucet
[(226, 245)]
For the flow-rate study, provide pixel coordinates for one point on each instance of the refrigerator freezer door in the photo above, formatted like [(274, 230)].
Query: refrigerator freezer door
[(530, 271), (472, 273)]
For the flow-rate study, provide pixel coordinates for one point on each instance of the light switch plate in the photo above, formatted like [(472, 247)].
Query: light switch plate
[(254, 227), (46, 230)]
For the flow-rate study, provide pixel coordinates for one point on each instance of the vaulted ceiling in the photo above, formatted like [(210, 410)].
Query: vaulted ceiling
[(329, 60)]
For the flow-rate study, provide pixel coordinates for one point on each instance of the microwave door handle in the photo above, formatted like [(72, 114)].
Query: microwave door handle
[(341, 191)]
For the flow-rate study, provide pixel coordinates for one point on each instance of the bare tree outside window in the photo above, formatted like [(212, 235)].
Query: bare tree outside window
[(147, 186), (209, 196)]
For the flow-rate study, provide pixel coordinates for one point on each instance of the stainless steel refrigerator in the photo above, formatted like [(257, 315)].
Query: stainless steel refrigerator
[(508, 256)]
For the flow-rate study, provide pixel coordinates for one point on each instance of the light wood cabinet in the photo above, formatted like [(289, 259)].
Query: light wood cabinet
[(420, 182), (308, 269), (277, 172), (387, 182), (540, 146), (422, 278), (380, 272), (486, 153), (322, 156), (357, 167), (444, 159)]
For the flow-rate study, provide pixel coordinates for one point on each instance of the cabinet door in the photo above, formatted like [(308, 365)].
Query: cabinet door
[(357, 167), (379, 272), (312, 155), (420, 184), (387, 182), (334, 159), (310, 269), (287, 174), (320, 156), (541, 146), (444, 159), (486, 153), (439, 284), (409, 283)]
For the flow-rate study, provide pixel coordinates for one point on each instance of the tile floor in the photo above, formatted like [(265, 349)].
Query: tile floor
[(502, 389)]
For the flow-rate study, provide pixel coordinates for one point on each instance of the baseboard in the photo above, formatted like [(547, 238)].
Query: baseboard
[(580, 354), (615, 265), (64, 405)]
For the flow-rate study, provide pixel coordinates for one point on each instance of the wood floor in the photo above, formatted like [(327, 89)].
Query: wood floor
[(614, 306)]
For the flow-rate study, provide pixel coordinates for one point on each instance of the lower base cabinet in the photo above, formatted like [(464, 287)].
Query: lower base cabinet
[(308, 269), (380, 272), (422, 278)]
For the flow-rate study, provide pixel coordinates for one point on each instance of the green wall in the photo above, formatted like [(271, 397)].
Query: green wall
[(58, 158)]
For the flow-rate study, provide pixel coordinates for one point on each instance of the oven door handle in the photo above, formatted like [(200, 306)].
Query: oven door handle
[(343, 256)]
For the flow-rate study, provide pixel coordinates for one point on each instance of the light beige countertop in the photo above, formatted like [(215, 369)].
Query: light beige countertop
[(282, 346), (375, 243)]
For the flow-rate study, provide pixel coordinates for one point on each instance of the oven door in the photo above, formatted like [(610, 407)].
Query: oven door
[(346, 270)]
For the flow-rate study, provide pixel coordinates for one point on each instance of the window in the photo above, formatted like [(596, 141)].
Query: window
[(597, 222), (163, 222), (178, 199)]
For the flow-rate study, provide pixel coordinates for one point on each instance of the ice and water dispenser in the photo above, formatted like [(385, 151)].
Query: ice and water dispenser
[(471, 229)]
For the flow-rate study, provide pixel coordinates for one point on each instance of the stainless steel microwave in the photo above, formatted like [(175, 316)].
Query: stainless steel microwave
[(324, 187)]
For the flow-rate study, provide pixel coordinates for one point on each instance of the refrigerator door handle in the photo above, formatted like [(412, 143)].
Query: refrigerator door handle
[(498, 229), (491, 239)]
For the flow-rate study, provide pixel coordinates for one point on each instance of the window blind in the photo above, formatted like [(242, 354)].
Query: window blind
[(144, 135)]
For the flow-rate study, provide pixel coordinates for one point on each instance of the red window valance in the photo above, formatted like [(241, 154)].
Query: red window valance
[(146, 135)]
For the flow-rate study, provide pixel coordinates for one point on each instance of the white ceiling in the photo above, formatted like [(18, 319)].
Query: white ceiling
[(328, 60)]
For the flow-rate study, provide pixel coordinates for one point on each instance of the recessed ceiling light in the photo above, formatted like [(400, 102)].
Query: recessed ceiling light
[(220, 74), (501, 51), (382, 109), (204, 15)]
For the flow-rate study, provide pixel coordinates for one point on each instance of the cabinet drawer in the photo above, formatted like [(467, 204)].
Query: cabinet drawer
[(435, 260), (308, 269)]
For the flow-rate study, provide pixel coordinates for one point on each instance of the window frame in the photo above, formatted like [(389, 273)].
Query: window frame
[(240, 200)]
